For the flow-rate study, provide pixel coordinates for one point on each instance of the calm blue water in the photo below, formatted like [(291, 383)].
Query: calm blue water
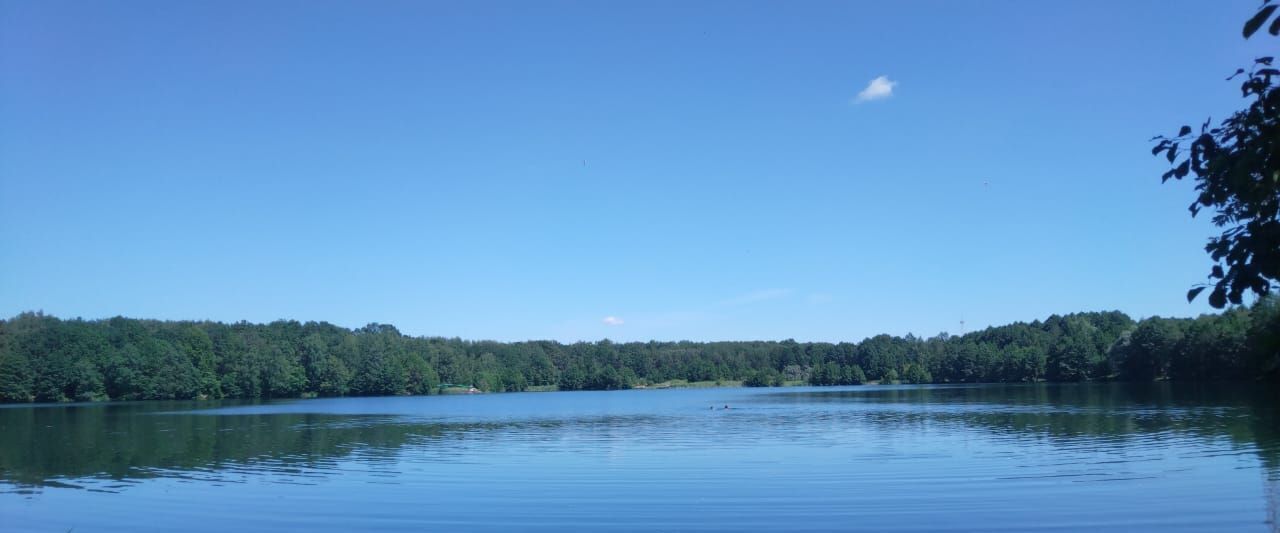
[(981, 458)]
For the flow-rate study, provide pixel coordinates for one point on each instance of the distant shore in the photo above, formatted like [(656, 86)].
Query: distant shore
[(669, 384), (44, 359)]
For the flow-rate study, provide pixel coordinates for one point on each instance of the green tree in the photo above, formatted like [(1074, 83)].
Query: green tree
[(1072, 359), (916, 374), (15, 374), (1214, 347), (44, 358), (85, 382), (1149, 350), (767, 377), (1236, 165), (856, 375), (1264, 338), (283, 377), (196, 344)]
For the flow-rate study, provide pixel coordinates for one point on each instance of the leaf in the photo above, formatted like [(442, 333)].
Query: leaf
[(1275, 27), (1217, 271), (1173, 152), (1186, 130), (1218, 298), (1182, 170), (1258, 18), (1191, 294)]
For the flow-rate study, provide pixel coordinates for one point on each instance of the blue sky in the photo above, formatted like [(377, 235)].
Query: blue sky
[(583, 170)]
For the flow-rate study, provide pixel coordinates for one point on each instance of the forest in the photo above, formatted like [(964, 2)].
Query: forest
[(47, 359)]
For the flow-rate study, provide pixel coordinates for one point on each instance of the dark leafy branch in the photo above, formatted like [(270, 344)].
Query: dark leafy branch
[(1236, 167)]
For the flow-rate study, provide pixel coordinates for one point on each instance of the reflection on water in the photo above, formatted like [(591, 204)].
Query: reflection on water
[(1020, 457), (66, 448), (1244, 415)]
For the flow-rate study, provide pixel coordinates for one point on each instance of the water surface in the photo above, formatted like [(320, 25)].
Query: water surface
[(991, 457)]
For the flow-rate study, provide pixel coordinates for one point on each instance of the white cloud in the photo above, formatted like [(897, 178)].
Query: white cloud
[(879, 89), (612, 321)]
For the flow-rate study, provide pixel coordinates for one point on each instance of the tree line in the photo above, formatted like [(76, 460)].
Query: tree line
[(47, 359)]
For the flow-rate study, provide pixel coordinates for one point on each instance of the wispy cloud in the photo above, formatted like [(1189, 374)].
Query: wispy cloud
[(879, 89), (759, 296), (612, 321), (819, 298)]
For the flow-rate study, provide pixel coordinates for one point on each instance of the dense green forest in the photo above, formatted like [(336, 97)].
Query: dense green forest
[(44, 359)]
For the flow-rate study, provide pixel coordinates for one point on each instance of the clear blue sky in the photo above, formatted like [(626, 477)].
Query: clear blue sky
[(516, 170)]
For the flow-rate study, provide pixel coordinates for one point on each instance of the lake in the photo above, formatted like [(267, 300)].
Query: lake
[(882, 458)]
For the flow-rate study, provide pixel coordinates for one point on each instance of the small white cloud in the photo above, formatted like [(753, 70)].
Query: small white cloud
[(612, 321), (879, 89)]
